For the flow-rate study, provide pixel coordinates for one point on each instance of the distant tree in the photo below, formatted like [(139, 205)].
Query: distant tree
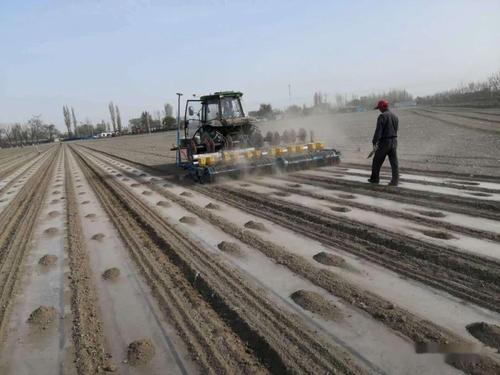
[(113, 115), (118, 119), (169, 110), (34, 125), (101, 127), (67, 119), (266, 112), (293, 110), (75, 125), (51, 130)]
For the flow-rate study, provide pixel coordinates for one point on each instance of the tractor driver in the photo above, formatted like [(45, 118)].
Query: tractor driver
[(227, 108)]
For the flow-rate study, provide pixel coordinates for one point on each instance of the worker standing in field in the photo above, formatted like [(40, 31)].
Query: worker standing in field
[(385, 143)]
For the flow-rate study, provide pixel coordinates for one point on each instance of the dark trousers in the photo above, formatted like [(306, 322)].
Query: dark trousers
[(386, 147)]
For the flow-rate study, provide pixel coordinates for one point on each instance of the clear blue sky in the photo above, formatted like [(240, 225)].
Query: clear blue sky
[(139, 53)]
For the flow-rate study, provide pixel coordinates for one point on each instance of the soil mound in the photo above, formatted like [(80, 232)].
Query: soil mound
[(118, 175), (43, 316), (54, 201), (428, 213), (478, 194), (47, 260), (51, 231), (339, 209), (98, 236), (488, 334), (85, 202), (470, 183), (125, 179), (81, 193), (111, 273), (315, 303), (147, 192), (55, 192), (281, 193), (188, 220), (212, 206), (54, 213), (473, 363), (294, 185), (135, 185), (167, 185), (163, 204), (186, 194), (229, 247), (346, 196), (244, 184), (143, 175), (255, 225), (90, 216), (438, 234), (140, 352), (329, 259)]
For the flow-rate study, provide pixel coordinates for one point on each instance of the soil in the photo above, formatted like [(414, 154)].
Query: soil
[(140, 352), (488, 334), (186, 194), (111, 273), (51, 231), (54, 213), (329, 259), (43, 316), (163, 204), (47, 260), (85, 202), (98, 236), (438, 234), (229, 247), (339, 209), (294, 185), (90, 216), (346, 196), (188, 220), (315, 303), (147, 192), (255, 225), (135, 185), (212, 206), (428, 213)]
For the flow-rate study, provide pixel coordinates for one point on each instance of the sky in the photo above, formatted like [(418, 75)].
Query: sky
[(139, 53)]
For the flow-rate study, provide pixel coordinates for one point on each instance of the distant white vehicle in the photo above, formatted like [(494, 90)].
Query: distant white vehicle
[(104, 135)]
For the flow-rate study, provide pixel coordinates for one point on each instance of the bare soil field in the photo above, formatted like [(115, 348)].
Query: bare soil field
[(109, 263)]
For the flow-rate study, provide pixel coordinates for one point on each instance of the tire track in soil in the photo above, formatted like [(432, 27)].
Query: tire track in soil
[(436, 201), (398, 319), (90, 353), (17, 221), (480, 234), (466, 276), (275, 337)]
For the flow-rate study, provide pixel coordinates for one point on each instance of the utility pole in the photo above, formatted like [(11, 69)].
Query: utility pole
[(178, 151)]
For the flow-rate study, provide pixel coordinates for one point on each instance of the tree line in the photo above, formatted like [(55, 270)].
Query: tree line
[(33, 132), (482, 94)]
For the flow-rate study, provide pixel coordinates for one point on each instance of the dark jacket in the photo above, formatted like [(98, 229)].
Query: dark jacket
[(387, 127)]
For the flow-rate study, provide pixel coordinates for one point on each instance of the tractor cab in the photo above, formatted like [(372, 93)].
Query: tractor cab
[(217, 122)]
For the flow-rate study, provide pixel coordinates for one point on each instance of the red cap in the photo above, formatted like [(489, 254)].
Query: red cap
[(382, 104)]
